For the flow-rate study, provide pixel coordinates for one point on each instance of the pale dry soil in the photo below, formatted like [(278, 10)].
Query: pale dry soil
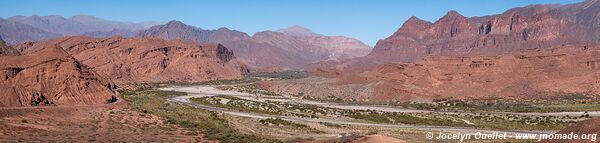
[(88, 124), (316, 130)]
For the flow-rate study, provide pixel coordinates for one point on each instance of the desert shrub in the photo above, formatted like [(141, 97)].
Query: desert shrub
[(211, 124)]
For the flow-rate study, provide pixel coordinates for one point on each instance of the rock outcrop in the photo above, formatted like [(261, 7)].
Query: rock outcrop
[(527, 74), (148, 59), (590, 128), (50, 76), (521, 75), (535, 26)]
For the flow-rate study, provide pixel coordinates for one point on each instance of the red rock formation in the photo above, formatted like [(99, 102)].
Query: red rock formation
[(149, 59), (536, 26), (530, 74), (588, 127), (50, 77)]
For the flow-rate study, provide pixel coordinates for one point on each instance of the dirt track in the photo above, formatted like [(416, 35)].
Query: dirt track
[(114, 122), (206, 91)]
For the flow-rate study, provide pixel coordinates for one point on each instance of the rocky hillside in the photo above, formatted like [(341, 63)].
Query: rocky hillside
[(50, 76), (293, 47), (530, 74), (587, 127), (179, 30), (339, 47), (536, 26), (149, 59), (6, 50)]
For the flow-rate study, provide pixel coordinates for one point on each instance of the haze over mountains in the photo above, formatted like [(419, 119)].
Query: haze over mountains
[(18, 29), (73, 25)]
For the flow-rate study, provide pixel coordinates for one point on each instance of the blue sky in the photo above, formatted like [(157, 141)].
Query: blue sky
[(366, 20)]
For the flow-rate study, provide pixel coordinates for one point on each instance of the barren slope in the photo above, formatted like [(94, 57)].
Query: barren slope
[(531, 74), (50, 77), (149, 59)]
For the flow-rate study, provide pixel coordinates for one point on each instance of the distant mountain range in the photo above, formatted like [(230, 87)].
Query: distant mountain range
[(18, 29), (523, 51), (292, 47), (289, 48), (535, 26)]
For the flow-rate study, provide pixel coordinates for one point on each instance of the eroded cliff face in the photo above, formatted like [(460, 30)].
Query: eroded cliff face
[(528, 74), (148, 59), (50, 76), (523, 75), (536, 26)]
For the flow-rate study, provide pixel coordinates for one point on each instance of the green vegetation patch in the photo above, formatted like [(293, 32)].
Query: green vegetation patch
[(239, 104), (281, 122), (254, 89), (210, 123), (394, 117), (580, 102), (280, 75)]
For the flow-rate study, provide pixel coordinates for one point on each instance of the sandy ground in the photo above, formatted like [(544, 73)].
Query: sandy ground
[(88, 124), (204, 91), (207, 91), (378, 139)]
